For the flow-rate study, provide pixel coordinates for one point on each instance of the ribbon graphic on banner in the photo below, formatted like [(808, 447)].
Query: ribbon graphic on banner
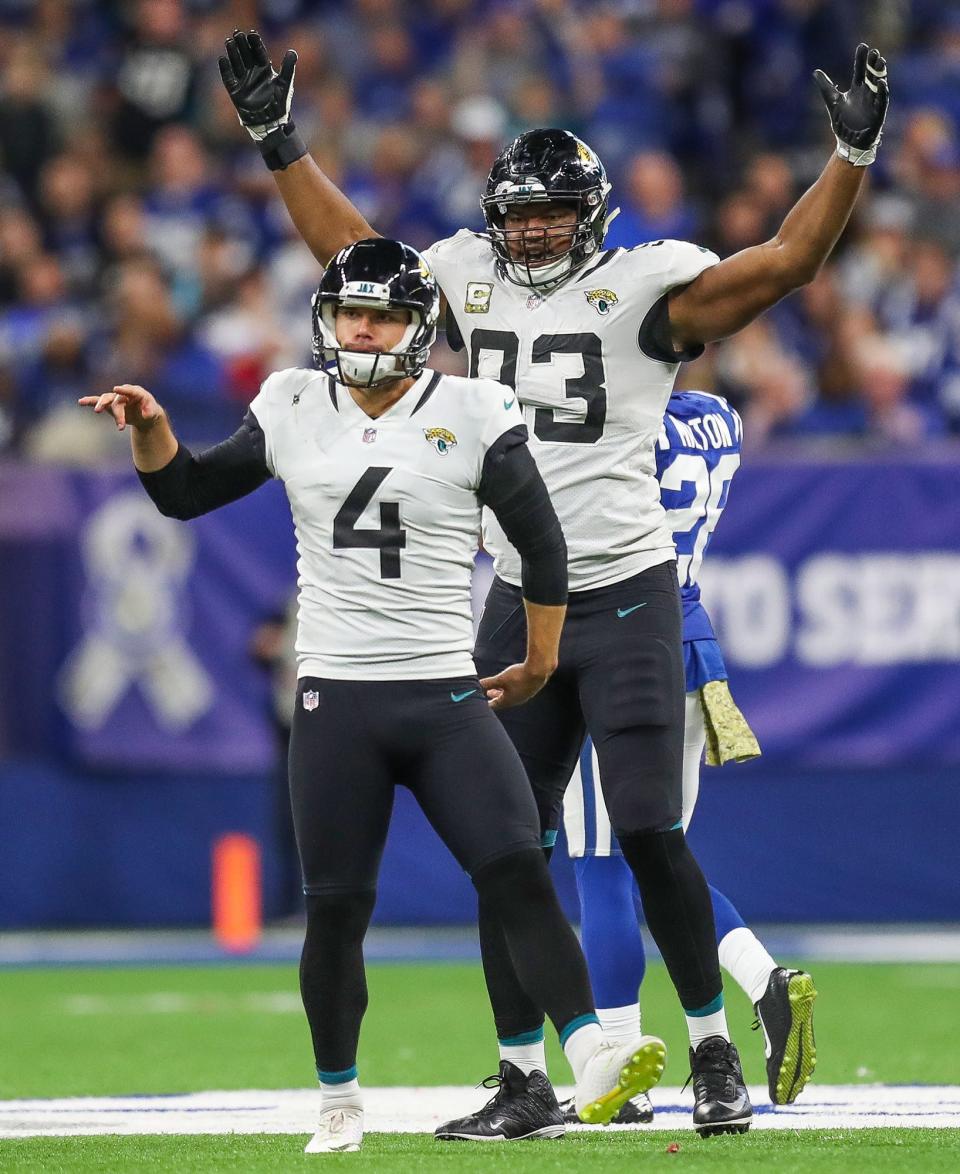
[(136, 562)]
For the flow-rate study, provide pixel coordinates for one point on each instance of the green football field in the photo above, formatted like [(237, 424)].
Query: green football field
[(104, 1031)]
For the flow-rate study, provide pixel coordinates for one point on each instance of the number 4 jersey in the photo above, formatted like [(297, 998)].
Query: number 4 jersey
[(387, 518), (593, 367)]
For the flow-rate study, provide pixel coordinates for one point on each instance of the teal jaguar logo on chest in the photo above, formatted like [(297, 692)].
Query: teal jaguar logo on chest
[(602, 300), (441, 438)]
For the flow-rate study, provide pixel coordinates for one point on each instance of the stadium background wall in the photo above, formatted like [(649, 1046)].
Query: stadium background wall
[(835, 593)]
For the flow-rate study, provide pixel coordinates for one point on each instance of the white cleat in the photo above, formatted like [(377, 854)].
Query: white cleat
[(339, 1131), (615, 1074)]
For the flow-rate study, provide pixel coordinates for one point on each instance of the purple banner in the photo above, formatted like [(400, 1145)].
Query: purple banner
[(835, 592), (125, 636)]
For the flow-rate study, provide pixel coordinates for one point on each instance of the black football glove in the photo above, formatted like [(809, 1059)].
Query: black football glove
[(858, 115), (261, 96)]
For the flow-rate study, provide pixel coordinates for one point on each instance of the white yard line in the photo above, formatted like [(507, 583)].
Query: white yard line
[(421, 1110)]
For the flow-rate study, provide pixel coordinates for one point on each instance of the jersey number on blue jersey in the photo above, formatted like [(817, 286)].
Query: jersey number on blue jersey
[(389, 539), (590, 386), (693, 524)]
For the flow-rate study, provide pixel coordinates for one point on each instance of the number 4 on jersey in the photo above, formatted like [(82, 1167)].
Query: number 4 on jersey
[(389, 539)]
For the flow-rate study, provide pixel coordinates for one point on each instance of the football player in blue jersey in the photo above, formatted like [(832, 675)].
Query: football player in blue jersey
[(697, 454)]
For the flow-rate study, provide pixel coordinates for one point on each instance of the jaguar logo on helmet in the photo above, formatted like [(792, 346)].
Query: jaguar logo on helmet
[(441, 439), (586, 155)]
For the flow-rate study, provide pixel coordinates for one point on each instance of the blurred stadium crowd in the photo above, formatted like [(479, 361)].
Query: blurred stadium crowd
[(142, 240)]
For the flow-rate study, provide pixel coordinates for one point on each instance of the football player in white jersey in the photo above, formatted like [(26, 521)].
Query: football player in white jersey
[(697, 454), (386, 466), (592, 341)]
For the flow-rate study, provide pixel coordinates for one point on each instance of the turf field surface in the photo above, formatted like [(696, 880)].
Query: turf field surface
[(822, 1152), (120, 1031), (117, 1031)]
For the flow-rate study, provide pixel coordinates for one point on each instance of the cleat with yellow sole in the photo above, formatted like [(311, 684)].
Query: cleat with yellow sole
[(617, 1073)]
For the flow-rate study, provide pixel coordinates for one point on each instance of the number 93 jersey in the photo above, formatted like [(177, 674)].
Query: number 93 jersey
[(593, 386), (387, 519), (698, 452)]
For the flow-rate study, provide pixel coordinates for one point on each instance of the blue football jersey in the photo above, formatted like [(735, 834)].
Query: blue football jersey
[(698, 452)]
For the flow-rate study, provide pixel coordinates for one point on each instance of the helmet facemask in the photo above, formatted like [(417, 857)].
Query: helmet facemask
[(529, 268), (369, 368)]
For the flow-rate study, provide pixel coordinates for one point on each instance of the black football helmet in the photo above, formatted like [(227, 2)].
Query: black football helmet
[(546, 166), (379, 274)]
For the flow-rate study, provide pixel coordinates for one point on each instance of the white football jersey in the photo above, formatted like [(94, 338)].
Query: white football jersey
[(592, 400), (387, 518)]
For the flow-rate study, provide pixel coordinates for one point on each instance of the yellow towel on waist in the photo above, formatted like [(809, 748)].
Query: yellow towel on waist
[(729, 737)]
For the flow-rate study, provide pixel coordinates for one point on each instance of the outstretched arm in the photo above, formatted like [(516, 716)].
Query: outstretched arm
[(151, 438), (322, 214), (180, 484), (726, 297)]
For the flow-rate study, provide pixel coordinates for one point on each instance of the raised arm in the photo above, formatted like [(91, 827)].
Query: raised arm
[(180, 484), (728, 296), (512, 487), (323, 215)]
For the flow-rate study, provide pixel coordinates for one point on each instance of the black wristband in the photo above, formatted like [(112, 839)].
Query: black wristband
[(282, 147)]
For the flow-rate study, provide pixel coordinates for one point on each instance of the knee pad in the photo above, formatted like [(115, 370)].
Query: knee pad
[(648, 852), (526, 871), (343, 916)]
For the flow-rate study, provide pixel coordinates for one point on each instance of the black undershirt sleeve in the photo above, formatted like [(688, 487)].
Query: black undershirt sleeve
[(454, 337), (192, 485), (655, 338), (512, 487)]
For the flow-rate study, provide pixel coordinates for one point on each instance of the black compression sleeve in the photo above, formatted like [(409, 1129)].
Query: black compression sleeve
[(512, 487), (192, 485), (454, 337), (655, 337)]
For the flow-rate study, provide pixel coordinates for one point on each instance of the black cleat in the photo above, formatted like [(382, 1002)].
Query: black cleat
[(722, 1101), (785, 1013), (522, 1107), (638, 1111)]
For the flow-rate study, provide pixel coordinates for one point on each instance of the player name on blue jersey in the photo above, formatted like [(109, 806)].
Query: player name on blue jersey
[(698, 452), (700, 433)]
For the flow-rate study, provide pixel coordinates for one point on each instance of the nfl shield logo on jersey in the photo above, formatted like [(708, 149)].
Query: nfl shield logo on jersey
[(369, 435), (311, 699)]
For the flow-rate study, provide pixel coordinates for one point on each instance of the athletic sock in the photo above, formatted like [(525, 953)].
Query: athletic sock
[(725, 915), (341, 1094), (679, 913), (743, 957), (543, 949), (620, 1024), (609, 928), (580, 1041), (711, 1020), (332, 980), (526, 1051)]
